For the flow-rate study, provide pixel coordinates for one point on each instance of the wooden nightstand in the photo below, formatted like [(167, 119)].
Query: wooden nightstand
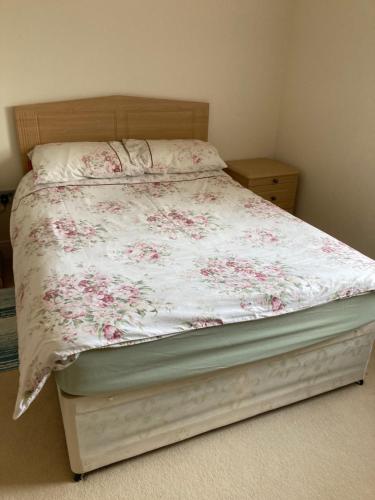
[(273, 180), (6, 265)]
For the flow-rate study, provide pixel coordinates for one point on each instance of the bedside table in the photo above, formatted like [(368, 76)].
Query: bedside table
[(273, 180), (6, 265)]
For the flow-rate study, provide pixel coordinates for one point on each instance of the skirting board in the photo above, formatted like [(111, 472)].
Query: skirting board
[(104, 429)]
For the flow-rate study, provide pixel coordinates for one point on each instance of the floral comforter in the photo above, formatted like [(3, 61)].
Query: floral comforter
[(112, 263)]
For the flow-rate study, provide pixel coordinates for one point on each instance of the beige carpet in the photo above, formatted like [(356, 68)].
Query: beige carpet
[(323, 448)]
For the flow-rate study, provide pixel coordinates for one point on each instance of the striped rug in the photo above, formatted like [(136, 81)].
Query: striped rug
[(8, 332)]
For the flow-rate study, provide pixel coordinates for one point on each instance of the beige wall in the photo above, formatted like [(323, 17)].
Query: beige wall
[(227, 52), (327, 119), (242, 56)]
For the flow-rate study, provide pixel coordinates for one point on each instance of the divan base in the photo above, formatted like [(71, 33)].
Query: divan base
[(104, 429)]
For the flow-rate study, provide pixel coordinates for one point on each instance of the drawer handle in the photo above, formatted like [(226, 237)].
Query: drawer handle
[(275, 181), (273, 198)]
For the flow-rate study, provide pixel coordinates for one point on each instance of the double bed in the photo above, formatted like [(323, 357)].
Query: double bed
[(168, 305)]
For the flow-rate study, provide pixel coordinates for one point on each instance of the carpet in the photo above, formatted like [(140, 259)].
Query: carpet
[(8, 332), (319, 449)]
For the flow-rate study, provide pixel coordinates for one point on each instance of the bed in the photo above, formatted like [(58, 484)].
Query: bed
[(216, 342)]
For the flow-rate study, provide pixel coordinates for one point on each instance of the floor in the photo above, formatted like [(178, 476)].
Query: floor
[(322, 448)]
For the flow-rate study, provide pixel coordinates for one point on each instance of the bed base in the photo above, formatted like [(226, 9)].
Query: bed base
[(104, 429)]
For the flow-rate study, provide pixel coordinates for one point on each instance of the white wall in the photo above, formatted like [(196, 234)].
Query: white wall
[(242, 56), (327, 119), (227, 52)]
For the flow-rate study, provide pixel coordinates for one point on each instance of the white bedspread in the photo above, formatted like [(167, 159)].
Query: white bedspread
[(100, 263)]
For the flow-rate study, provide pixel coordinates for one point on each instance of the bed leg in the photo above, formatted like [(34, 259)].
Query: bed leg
[(359, 382), (78, 477)]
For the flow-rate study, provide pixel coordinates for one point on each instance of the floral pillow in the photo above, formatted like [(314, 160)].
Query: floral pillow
[(61, 162), (173, 156)]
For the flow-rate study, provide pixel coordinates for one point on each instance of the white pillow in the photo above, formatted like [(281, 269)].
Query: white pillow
[(61, 162), (173, 156)]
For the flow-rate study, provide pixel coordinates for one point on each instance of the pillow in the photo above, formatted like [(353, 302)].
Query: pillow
[(61, 162), (173, 156)]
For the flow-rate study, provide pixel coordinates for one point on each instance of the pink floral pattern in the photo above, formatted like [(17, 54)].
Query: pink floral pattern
[(335, 248), (55, 195), (14, 233), (346, 293), (111, 207), (269, 285), (177, 223), (258, 207), (70, 192), (64, 233), (173, 156), (209, 197), (141, 251), (155, 189), (240, 274), (262, 236), (103, 262), (98, 161), (94, 302), (205, 323), (337, 251), (72, 161)]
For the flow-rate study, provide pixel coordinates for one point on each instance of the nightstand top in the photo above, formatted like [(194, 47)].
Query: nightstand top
[(261, 167)]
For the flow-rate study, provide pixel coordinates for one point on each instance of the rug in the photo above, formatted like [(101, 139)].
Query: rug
[(8, 331)]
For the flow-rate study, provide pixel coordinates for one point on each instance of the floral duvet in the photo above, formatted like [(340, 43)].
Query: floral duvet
[(103, 263)]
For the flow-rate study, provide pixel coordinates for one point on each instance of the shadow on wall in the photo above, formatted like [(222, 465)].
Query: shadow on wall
[(11, 161)]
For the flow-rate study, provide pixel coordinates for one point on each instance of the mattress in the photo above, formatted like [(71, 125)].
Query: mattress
[(119, 262), (210, 349)]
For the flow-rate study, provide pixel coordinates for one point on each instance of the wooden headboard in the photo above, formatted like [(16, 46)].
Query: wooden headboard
[(109, 118)]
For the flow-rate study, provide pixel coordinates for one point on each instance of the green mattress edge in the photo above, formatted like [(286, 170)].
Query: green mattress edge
[(208, 349)]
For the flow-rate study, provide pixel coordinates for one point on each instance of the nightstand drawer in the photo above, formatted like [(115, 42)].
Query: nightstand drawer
[(273, 181), (280, 194)]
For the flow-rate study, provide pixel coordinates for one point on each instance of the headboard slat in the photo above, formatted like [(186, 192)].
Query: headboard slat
[(109, 118)]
